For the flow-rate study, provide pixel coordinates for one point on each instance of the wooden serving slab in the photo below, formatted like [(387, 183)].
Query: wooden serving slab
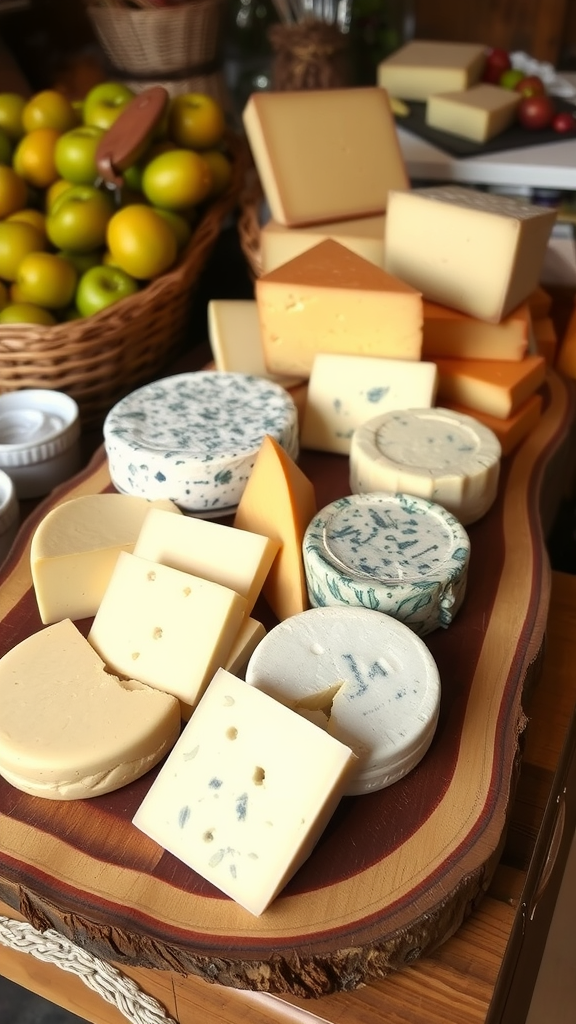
[(396, 872)]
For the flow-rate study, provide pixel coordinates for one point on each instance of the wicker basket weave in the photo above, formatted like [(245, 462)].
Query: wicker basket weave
[(249, 220), (99, 359)]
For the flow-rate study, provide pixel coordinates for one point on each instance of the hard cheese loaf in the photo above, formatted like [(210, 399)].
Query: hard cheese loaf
[(478, 113), (422, 67), (449, 333)]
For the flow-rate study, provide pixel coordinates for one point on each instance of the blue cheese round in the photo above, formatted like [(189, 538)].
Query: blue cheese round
[(445, 456), (393, 553), (364, 678), (193, 438)]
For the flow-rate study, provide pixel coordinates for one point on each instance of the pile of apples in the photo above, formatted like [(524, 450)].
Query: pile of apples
[(69, 245), (536, 109)]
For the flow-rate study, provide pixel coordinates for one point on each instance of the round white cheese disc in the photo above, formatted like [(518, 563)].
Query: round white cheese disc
[(445, 456), (194, 437), (365, 678), (392, 553)]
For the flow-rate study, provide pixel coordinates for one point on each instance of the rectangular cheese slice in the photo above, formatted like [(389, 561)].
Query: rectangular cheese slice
[(250, 634), (545, 338), (246, 792), (478, 252), (234, 335), (324, 154), (422, 67), (165, 627), (328, 299), (511, 431), (345, 391), (478, 113), (364, 236), (450, 334), (496, 388)]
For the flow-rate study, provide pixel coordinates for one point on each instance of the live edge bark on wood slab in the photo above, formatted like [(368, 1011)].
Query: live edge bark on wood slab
[(396, 872)]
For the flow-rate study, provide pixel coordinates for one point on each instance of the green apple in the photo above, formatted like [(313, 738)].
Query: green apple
[(510, 78), (78, 219), (26, 313), (102, 286), (104, 102), (11, 108), (75, 154)]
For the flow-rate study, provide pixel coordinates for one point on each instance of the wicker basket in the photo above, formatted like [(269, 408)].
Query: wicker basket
[(100, 358), (249, 220)]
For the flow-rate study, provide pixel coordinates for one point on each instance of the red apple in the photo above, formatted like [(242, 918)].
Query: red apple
[(531, 85), (536, 112), (564, 122), (497, 61)]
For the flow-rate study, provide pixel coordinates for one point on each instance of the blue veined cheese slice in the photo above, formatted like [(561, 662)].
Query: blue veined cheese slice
[(444, 456), (194, 437), (365, 678), (392, 553)]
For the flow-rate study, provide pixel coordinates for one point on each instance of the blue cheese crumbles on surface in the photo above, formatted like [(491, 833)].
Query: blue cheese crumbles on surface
[(194, 437), (393, 553)]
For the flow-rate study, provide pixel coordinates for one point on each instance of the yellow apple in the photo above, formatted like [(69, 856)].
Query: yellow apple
[(196, 121)]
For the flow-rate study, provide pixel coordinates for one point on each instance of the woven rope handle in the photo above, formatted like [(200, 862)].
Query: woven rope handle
[(101, 977)]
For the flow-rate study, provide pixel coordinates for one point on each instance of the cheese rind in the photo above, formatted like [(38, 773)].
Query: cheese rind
[(70, 730), (422, 67), (497, 388), (477, 252), (478, 113), (364, 236), (328, 299), (345, 391), (393, 553), (437, 454), (446, 333), (234, 803)]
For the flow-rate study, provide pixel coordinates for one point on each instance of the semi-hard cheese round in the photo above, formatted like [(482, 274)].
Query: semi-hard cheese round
[(194, 437), (365, 678), (445, 456), (392, 553), (70, 730)]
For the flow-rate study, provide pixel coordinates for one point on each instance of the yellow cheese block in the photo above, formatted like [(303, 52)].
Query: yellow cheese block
[(511, 431), (447, 333), (328, 299), (279, 501), (234, 335), (422, 67), (478, 113), (324, 154), (364, 236), (496, 388)]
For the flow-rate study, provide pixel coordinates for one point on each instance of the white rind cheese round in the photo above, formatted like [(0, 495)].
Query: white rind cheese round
[(193, 438), (445, 456), (365, 678), (392, 553)]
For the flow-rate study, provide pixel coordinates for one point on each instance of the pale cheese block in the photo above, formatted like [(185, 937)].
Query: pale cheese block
[(365, 678), (306, 146), (235, 341), (166, 627), (345, 391), (194, 437), (545, 338), (328, 299), (250, 634), (364, 236), (478, 113), (246, 793), (436, 454), (74, 550), (236, 559), (478, 252), (497, 388), (450, 334), (422, 67), (68, 729), (390, 552), (511, 431), (279, 501)]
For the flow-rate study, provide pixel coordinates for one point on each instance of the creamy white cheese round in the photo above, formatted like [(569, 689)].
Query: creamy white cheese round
[(445, 456), (393, 553), (365, 678), (194, 437)]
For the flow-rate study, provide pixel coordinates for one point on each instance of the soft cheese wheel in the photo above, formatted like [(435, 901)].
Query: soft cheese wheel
[(70, 730), (392, 553), (194, 437), (438, 454), (246, 792), (365, 678)]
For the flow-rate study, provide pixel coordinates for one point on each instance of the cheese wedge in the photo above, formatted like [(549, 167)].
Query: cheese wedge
[(364, 236), (478, 113), (306, 146), (478, 252), (328, 299), (496, 388), (511, 431), (422, 67), (279, 501), (450, 334), (234, 335), (68, 729)]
